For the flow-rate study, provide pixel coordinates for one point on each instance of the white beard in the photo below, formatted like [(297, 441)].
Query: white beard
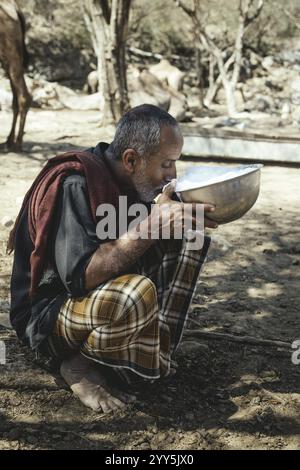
[(144, 188)]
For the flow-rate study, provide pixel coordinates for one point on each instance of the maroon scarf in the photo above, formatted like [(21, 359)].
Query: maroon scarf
[(41, 201)]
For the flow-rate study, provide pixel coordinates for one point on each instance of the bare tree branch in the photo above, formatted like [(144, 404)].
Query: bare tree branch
[(245, 6), (185, 8), (291, 17), (237, 339), (89, 24)]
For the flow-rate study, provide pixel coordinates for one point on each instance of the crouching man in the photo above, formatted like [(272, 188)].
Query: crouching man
[(114, 306)]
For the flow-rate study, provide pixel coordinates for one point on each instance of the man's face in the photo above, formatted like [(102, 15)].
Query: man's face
[(159, 169)]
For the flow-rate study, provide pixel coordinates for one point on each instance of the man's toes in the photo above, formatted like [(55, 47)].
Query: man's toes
[(104, 406), (113, 405), (117, 402)]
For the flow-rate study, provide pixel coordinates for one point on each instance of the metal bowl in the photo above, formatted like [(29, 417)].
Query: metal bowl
[(233, 194)]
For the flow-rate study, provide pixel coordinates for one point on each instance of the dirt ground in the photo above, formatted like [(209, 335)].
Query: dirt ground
[(226, 394)]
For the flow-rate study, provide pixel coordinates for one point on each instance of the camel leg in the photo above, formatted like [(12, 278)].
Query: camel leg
[(15, 106), (24, 100)]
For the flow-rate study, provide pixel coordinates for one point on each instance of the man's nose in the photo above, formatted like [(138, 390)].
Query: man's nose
[(172, 175)]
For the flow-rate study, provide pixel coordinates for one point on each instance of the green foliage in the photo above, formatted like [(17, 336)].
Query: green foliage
[(56, 21), (57, 33), (159, 27)]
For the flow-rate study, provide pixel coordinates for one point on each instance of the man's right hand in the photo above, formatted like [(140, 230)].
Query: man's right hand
[(174, 210)]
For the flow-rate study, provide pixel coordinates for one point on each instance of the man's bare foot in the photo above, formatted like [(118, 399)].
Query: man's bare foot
[(90, 386)]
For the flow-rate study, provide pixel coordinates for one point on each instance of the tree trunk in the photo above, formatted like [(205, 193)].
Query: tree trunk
[(109, 24), (214, 88), (229, 79), (199, 71), (214, 85), (230, 98)]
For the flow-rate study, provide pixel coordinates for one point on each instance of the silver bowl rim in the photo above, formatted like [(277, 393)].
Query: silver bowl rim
[(257, 168)]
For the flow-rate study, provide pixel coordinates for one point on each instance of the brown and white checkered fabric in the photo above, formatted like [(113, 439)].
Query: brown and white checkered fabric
[(134, 323)]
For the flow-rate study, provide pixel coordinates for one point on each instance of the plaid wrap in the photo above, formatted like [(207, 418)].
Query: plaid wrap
[(134, 323)]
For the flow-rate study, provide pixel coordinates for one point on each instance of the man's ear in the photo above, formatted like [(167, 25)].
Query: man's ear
[(130, 160)]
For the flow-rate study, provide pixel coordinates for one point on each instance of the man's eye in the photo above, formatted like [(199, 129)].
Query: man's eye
[(166, 165)]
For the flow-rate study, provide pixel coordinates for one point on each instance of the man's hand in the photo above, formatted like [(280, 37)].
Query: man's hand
[(115, 257), (165, 198)]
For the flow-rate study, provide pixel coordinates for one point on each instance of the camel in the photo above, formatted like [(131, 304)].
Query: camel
[(168, 73), (92, 82), (13, 57)]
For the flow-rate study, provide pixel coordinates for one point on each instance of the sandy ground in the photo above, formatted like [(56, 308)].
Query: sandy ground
[(225, 395)]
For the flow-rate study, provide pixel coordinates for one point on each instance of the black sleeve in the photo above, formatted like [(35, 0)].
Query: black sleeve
[(76, 239)]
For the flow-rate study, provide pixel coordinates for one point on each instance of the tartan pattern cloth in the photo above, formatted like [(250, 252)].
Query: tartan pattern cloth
[(133, 323)]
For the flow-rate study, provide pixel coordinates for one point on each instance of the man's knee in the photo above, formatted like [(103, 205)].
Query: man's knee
[(142, 292), (143, 286)]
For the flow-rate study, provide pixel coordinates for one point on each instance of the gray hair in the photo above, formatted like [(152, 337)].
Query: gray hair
[(139, 129)]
